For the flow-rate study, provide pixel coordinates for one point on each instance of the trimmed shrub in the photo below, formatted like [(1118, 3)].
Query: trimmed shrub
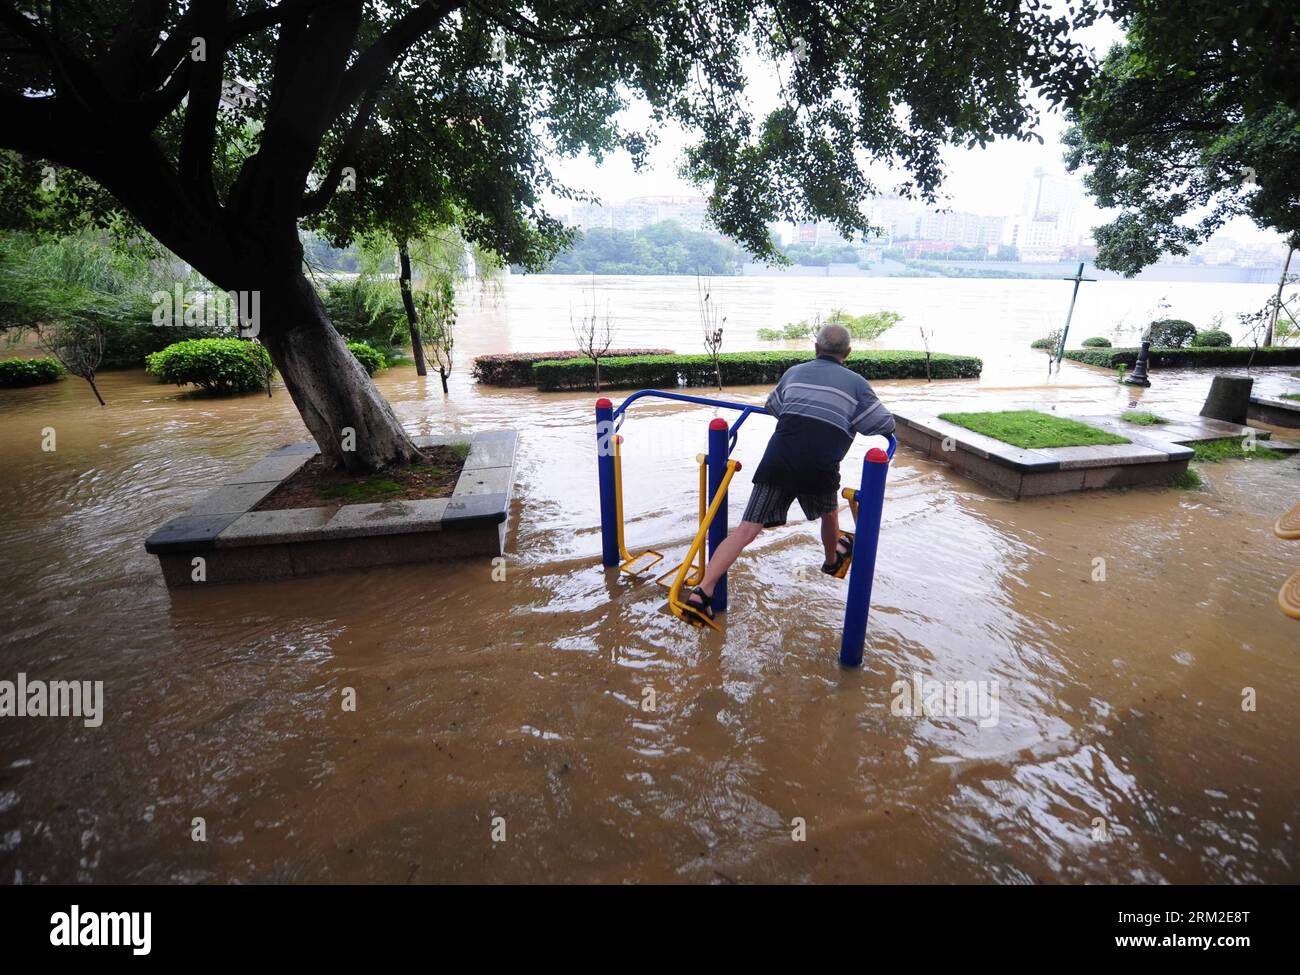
[(1212, 338), (1171, 333), (740, 368), (516, 368), (216, 365), (1044, 343), (863, 327), (1236, 355), (29, 372), (1096, 342), (371, 359)]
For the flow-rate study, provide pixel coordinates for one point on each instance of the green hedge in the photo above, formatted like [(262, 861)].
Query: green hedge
[(516, 368), (739, 369), (29, 372), (217, 365), (1188, 358), (1096, 342), (371, 359)]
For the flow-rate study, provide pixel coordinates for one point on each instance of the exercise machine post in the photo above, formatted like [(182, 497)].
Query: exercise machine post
[(609, 554), (870, 501), (719, 434)]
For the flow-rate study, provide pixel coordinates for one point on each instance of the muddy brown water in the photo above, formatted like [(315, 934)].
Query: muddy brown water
[(1121, 751)]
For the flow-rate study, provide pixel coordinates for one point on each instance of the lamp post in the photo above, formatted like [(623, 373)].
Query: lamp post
[(1139, 375)]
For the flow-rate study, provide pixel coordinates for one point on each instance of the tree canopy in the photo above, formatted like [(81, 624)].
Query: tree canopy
[(1193, 120), (219, 125), (209, 106)]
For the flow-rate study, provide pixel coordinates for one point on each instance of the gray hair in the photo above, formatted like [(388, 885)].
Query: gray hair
[(832, 339)]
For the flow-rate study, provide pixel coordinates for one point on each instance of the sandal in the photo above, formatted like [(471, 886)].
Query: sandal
[(703, 608), (843, 554)]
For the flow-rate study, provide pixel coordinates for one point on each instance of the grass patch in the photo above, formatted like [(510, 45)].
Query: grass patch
[(1214, 451), (1142, 418), (1294, 396), (1188, 480), (317, 484), (377, 488), (1031, 429)]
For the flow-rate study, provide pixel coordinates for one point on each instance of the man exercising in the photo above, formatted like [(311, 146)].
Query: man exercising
[(819, 406)]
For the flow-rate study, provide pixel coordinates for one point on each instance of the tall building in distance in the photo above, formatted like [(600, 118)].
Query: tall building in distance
[(1049, 222), (642, 211)]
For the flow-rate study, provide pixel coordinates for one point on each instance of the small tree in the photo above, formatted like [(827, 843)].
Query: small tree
[(593, 333), (1278, 305), (437, 326), (711, 321), (78, 344), (1049, 343), (925, 341)]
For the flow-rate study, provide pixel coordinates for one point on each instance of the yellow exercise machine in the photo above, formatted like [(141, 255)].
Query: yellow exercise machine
[(690, 572), (716, 472), (680, 608)]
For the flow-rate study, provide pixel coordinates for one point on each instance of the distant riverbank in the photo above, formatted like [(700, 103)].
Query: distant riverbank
[(987, 270)]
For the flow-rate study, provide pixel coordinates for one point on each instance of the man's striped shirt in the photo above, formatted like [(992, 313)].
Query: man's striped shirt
[(819, 406)]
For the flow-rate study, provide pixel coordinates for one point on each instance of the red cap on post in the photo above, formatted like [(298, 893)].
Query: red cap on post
[(717, 423), (877, 456), (603, 403)]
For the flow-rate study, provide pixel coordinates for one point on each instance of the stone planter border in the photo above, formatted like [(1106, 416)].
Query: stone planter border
[(1275, 412), (1019, 473), (237, 544)]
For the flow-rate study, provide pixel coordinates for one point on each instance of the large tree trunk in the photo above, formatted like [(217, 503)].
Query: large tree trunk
[(408, 302), (352, 423), (1228, 399)]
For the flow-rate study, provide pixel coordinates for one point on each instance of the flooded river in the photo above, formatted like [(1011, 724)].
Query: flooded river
[(502, 732)]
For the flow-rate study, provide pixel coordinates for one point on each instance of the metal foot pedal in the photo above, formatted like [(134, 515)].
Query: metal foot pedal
[(638, 565), (1288, 598), (688, 615), (1288, 526), (848, 563)]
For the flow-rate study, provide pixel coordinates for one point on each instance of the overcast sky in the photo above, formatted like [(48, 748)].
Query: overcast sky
[(990, 181)]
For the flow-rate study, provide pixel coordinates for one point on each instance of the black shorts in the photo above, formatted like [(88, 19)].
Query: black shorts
[(769, 504)]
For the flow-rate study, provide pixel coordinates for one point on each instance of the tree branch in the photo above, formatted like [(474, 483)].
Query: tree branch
[(376, 61), (317, 201), (199, 133)]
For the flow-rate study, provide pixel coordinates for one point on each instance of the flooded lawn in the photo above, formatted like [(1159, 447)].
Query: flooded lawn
[(1119, 749)]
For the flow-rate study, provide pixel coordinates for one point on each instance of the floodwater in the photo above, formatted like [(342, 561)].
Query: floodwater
[(563, 710)]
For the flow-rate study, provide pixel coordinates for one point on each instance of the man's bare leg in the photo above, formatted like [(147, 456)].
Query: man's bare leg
[(727, 553), (831, 535)]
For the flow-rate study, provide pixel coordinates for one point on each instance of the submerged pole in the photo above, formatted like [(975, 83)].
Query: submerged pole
[(1078, 279), (718, 436), (609, 554), (871, 502)]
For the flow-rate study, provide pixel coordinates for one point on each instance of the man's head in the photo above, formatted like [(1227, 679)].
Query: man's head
[(833, 340)]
